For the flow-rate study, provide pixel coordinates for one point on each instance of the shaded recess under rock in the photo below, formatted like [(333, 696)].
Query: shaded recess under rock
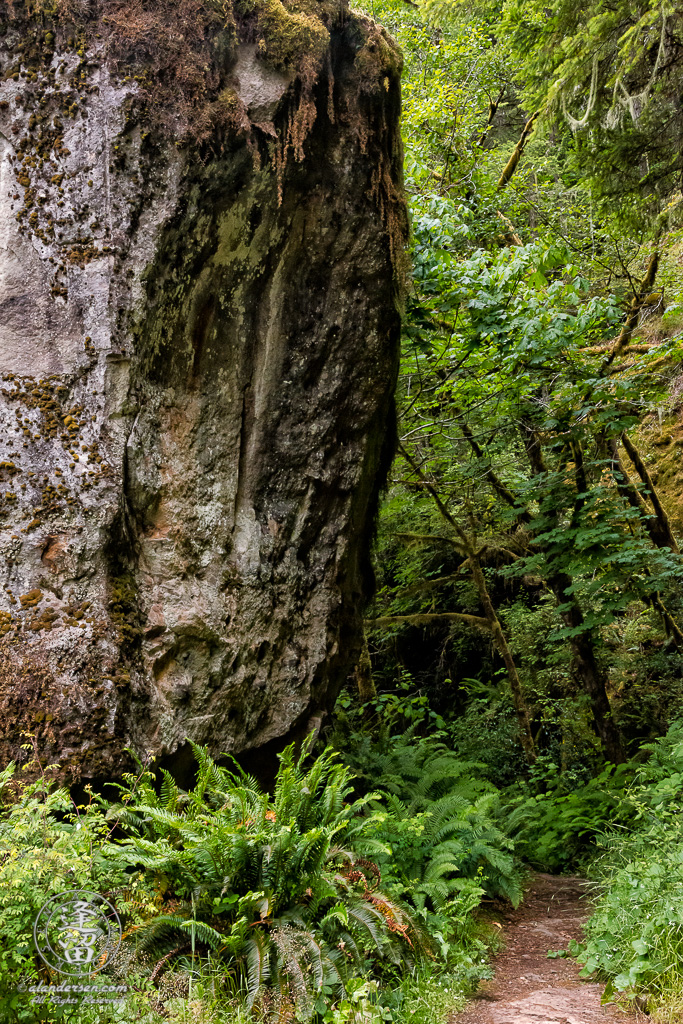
[(200, 273)]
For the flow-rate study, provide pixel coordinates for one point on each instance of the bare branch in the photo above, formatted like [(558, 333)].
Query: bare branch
[(429, 619)]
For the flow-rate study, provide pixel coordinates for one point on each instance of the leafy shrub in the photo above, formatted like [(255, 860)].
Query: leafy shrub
[(47, 845), (488, 732), (557, 830), (634, 939)]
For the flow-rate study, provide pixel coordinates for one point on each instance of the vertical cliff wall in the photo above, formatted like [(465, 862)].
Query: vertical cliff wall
[(200, 232)]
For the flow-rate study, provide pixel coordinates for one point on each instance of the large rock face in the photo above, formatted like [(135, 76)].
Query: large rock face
[(198, 344)]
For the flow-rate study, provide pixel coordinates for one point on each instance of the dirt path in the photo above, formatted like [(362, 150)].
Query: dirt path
[(527, 987)]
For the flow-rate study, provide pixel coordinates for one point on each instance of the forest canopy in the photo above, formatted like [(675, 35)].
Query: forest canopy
[(534, 505)]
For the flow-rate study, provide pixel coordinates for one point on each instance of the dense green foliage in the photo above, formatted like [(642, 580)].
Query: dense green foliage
[(277, 887), (635, 937), (526, 378), (526, 641), (613, 75), (439, 816), (557, 829), (312, 903), (529, 605)]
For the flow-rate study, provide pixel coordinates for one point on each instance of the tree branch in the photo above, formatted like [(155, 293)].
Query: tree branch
[(496, 483), (427, 538), (511, 165), (631, 321), (460, 533), (664, 531), (429, 619)]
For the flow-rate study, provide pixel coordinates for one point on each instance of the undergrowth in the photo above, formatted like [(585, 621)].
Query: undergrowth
[(314, 903), (621, 827), (634, 938)]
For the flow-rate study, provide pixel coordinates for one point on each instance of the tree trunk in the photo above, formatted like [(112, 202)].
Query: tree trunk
[(658, 525), (467, 544), (659, 528), (586, 669), (511, 165), (501, 643), (633, 314), (364, 680)]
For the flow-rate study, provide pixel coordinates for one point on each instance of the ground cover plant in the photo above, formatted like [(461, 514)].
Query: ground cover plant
[(296, 905), (634, 938)]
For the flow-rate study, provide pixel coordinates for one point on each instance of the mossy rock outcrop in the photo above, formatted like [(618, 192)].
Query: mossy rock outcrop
[(200, 275), (660, 443)]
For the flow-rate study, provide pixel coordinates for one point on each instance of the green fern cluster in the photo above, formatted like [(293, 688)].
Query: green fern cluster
[(440, 823), (280, 889), (556, 830)]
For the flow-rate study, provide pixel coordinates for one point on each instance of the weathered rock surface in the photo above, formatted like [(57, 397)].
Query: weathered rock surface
[(198, 345)]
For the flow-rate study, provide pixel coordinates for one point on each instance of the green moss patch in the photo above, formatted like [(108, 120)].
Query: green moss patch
[(287, 39)]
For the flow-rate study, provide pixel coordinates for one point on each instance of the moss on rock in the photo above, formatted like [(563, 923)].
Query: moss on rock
[(661, 447), (190, 491), (379, 61), (289, 40), (179, 56)]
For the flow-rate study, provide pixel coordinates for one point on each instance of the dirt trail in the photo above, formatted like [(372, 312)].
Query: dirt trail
[(527, 987)]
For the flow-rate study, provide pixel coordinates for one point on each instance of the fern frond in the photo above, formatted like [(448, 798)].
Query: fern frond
[(204, 932), (258, 966)]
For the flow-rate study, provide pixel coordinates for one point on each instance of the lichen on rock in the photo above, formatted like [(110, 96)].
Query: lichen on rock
[(201, 233)]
